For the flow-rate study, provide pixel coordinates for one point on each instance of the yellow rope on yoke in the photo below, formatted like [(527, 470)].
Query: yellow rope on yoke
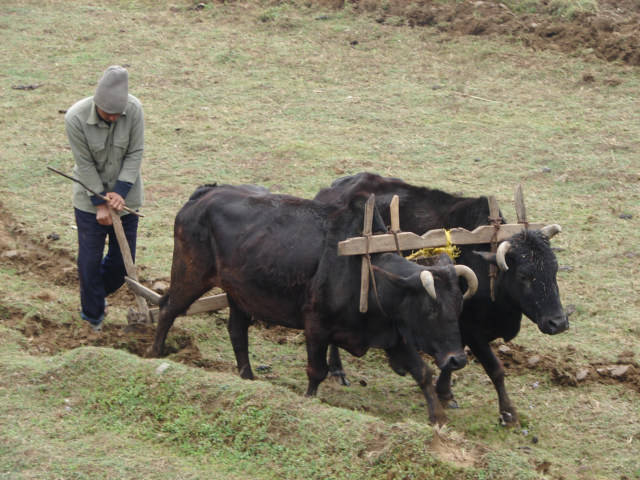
[(450, 249)]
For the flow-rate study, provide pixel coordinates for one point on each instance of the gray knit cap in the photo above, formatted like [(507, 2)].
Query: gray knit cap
[(113, 90)]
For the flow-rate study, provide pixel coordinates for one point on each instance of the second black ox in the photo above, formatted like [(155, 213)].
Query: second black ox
[(276, 258), (525, 283)]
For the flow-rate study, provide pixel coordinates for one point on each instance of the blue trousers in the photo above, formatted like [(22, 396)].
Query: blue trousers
[(101, 276)]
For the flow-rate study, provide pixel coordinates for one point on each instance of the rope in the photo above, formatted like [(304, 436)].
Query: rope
[(493, 270), (372, 276), (450, 249), (395, 237)]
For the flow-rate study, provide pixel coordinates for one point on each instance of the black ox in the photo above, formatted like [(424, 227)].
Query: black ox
[(276, 258), (525, 283)]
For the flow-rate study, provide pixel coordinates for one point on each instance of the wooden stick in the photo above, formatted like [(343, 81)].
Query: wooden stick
[(143, 308), (474, 97), (394, 209), (143, 291), (494, 210), (364, 270), (92, 191), (521, 211)]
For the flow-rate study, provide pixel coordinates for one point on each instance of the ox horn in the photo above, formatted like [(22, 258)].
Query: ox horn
[(426, 277), (550, 230), (470, 277), (500, 254)]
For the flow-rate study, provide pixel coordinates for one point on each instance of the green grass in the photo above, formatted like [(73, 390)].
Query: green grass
[(82, 403), (276, 94)]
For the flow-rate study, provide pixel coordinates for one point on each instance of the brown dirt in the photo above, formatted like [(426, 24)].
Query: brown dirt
[(611, 34), (566, 370)]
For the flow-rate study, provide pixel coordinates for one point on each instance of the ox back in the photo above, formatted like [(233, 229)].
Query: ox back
[(529, 285), (276, 258)]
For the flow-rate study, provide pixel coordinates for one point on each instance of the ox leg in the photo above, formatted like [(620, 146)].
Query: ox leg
[(175, 303), (493, 366), (189, 281), (403, 357), (335, 366), (317, 346), (238, 328), (443, 389)]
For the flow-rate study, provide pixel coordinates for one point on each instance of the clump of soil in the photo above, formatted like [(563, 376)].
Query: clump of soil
[(565, 370), (610, 33)]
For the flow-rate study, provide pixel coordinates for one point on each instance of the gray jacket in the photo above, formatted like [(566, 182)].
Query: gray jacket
[(108, 157)]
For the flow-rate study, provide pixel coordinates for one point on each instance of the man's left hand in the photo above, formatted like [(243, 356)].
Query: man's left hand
[(115, 201)]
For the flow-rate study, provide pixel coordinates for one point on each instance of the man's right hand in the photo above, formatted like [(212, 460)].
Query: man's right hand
[(104, 215)]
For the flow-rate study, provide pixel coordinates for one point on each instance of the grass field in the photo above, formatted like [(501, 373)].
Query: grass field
[(292, 95)]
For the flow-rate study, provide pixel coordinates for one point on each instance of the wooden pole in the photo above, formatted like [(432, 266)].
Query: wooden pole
[(364, 271), (394, 208), (143, 308), (521, 211), (494, 210), (141, 290)]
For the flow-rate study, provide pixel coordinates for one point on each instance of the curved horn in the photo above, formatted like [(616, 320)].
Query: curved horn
[(426, 277), (470, 277), (502, 251), (550, 230)]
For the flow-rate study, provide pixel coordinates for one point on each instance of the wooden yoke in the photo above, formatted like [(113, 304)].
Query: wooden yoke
[(433, 238), (143, 308), (366, 259)]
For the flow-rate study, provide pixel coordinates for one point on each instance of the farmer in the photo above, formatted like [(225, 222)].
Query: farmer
[(106, 134)]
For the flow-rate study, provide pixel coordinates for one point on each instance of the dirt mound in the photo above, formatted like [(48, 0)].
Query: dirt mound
[(611, 34)]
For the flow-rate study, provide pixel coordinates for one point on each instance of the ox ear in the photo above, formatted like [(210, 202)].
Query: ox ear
[(414, 281), (487, 256)]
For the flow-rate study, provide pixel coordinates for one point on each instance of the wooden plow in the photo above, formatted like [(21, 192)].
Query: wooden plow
[(364, 245), (144, 314), (202, 305)]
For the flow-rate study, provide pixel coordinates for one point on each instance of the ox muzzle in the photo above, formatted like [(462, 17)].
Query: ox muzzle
[(552, 325), (453, 361)]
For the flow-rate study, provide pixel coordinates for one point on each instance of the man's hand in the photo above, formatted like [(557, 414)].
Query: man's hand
[(104, 215), (115, 201)]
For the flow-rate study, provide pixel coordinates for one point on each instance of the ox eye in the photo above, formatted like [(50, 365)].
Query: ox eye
[(525, 277)]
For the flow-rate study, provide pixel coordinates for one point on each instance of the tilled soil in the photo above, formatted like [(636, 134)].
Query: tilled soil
[(611, 34)]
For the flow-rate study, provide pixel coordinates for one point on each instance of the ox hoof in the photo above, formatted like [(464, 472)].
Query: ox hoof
[(341, 377), (447, 400), (451, 403), (440, 420), (508, 419), (151, 353), (245, 373)]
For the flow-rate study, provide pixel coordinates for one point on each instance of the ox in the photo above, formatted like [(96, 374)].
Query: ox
[(526, 280), (276, 258)]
